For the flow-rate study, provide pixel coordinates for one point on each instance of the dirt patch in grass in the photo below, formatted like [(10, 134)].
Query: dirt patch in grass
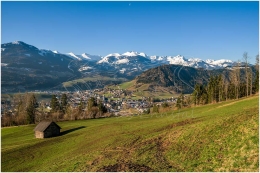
[(185, 122), (125, 167)]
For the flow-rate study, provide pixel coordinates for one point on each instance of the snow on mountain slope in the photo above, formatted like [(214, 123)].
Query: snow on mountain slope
[(55, 51), (122, 70), (86, 56), (110, 58), (85, 68), (222, 62), (122, 61), (116, 58), (90, 57), (157, 58), (142, 54), (73, 56), (209, 61), (112, 54), (15, 42), (125, 58), (132, 53), (179, 60), (129, 60), (41, 52)]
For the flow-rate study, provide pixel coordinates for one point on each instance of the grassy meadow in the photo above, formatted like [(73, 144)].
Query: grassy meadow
[(143, 90), (91, 79), (216, 137)]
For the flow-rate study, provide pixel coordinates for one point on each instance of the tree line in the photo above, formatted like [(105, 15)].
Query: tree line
[(62, 110), (24, 111), (240, 82), (28, 111)]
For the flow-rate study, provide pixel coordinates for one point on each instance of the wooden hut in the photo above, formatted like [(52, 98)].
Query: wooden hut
[(46, 129)]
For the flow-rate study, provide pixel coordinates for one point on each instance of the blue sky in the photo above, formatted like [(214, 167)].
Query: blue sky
[(206, 30)]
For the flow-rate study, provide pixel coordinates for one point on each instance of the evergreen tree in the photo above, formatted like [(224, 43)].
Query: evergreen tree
[(182, 100), (178, 103), (199, 95), (101, 107), (64, 102), (91, 103), (195, 94), (155, 108), (211, 89), (81, 105), (55, 106), (31, 109), (204, 97)]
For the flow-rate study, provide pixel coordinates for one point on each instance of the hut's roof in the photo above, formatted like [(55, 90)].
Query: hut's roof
[(43, 126)]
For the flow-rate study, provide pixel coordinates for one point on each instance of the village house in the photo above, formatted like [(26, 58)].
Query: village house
[(46, 129)]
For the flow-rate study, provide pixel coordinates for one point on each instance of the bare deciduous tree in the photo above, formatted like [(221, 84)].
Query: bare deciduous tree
[(245, 58)]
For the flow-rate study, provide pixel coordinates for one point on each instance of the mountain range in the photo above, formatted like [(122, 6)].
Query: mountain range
[(26, 67)]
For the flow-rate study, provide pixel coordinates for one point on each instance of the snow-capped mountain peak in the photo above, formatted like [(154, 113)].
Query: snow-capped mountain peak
[(16, 42), (113, 54), (132, 59), (180, 58), (209, 61), (177, 60), (156, 58), (221, 63), (195, 60), (131, 53)]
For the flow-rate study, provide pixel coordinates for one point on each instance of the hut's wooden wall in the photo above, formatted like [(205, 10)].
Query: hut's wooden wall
[(39, 134), (52, 130)]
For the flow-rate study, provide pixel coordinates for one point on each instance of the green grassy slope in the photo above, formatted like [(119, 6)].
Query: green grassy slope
[(219, 137), (142, 90), (92, 79)]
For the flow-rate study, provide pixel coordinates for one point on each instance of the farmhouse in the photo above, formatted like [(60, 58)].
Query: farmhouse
[(46, 129)]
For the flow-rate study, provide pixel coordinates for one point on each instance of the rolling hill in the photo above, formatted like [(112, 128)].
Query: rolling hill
[(169, 79)]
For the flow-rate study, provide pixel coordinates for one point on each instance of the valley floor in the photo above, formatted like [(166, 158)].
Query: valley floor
[(217, 137)]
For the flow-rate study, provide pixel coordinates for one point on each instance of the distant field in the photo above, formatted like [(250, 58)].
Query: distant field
[(39, 96), (91, 79), (127, 85), (217, 137), (124, 85), (144, 91)]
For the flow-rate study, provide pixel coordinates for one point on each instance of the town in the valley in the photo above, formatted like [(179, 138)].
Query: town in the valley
[(118, 102)]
